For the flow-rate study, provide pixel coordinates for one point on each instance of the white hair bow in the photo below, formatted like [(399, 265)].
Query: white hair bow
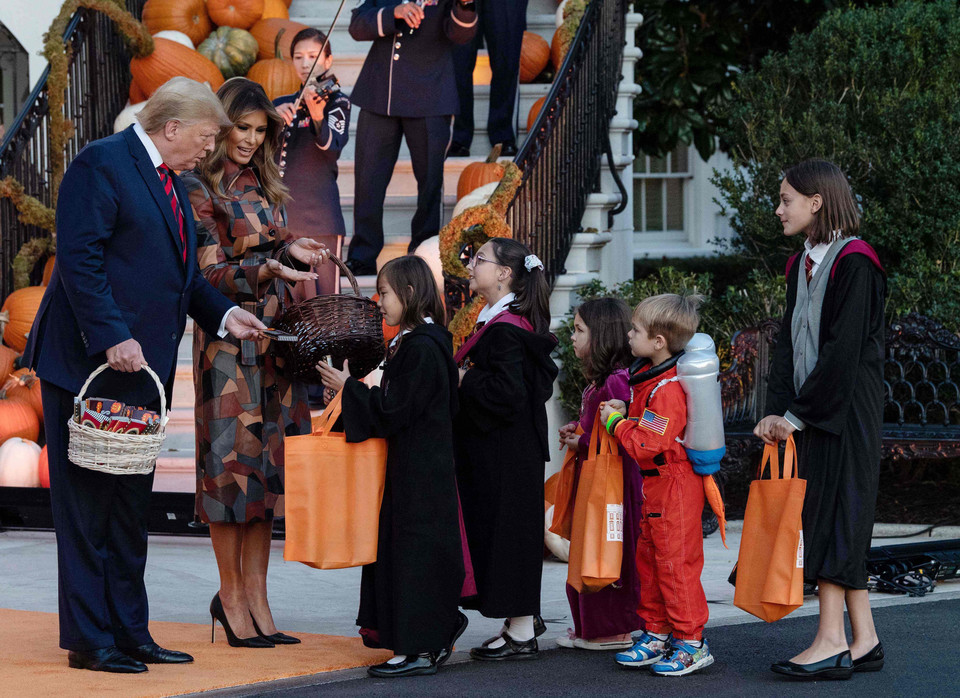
[(531, 262)]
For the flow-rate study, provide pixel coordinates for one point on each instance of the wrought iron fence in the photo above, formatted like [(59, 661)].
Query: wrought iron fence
[(97, 86)]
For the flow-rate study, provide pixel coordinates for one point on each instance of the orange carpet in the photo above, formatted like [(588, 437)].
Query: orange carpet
[(31, 663)]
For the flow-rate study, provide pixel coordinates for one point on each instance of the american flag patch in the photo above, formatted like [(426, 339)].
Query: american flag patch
[(654, 422)]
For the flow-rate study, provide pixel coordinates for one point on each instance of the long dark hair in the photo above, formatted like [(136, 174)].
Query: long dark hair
[(311, 34), (608, 320), (839, 210), (530, 287), (413, 282)]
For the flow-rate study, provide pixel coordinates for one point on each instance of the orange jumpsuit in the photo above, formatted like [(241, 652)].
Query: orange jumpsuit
[(670, 548)]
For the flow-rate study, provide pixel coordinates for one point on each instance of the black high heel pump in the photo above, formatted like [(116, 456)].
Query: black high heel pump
[(276, 638), (218, 614)]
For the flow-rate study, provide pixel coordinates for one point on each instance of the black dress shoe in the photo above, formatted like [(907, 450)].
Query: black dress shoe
[(839, 666), (508, 150), (416, 665), (106, 659), (445, 653), (512, 649), (152, 653), (458, 151), (360, 268), (539, 628), (871, 661)]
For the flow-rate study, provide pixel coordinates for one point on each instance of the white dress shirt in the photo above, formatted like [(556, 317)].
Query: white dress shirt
[(491, 311), (426, 321)]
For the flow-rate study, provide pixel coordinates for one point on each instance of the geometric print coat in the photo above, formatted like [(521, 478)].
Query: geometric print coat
[(245, 406)]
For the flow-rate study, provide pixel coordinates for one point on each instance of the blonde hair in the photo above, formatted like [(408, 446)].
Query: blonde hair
[(184, 100), (240, 97), (671, 315)]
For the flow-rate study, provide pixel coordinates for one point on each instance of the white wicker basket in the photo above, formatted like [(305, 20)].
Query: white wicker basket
[(112, 452)]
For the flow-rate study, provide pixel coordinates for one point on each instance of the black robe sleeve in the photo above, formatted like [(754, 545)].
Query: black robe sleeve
[(780, 392), (495, 392), (377, 413), (826, 395)]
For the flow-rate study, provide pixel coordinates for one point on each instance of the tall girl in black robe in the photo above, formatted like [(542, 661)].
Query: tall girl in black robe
[(501, 442), (409, 596), (838, 409)]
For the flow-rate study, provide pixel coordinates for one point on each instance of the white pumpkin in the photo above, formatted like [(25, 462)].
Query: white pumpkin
[(180, 37), (429, 251), (126, 117), (558, 20), (19, 459), (560, 547), (477, 197)]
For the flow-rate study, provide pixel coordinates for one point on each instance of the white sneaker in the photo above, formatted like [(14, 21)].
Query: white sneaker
[(582, 644)]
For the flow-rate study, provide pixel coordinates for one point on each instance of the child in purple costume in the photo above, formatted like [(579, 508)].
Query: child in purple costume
[(603, 620)]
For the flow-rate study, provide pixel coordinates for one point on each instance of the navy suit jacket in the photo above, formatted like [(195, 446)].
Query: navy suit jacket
[(409, 72), (119, 274)]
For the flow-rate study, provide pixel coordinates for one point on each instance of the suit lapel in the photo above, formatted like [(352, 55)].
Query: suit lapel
[(152, 180)]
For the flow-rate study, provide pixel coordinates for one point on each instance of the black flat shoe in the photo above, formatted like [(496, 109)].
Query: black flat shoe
[(512, 649), (539, 628), (508, 150), (871, 661), (277, 638), (445, 653), (106, 659), (419, 665), (839, 666), (361, 268), (152, 653), (458, 151), (218, 614)]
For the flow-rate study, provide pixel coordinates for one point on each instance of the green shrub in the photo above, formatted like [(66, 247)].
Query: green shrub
[(876, 91), (724, 312)]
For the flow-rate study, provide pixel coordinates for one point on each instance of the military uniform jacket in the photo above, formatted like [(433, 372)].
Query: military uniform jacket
[(409, 72)]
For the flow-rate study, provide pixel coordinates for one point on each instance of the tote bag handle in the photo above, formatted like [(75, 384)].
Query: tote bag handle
[(771, 455), (601, 443), (330, 415)]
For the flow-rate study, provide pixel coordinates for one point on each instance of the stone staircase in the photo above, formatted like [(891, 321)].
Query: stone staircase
[(601, 251)]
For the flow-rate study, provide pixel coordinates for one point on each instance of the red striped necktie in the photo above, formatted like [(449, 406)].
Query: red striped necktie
[(808, 265), (166, 178)]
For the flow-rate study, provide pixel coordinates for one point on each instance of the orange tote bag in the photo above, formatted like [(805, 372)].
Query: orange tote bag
[(596, 543), (333, 491), (566, 496), (770, 564)]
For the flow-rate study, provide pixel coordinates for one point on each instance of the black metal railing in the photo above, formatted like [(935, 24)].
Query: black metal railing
[(561, 158), (97, 86)]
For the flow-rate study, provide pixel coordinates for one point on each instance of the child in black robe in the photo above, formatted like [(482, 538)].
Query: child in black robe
[(826, 384), (409, 596)]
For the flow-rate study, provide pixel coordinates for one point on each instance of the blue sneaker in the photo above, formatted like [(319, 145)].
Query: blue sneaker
[(684, 659), (647, 650)]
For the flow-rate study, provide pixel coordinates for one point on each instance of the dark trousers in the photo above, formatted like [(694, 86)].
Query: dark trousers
[(101, 525), (501, 24), (378, 145)]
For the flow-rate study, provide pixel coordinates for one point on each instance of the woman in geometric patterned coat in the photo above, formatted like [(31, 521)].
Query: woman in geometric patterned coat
[(245, 406)]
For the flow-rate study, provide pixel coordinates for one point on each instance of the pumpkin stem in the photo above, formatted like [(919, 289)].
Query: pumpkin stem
[(276, 44), (494, 153)]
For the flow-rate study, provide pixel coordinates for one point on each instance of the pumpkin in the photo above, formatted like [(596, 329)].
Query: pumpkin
[(19, 461), (273, 9), (534, 56), (535, 112), (288, 2), (179, 37), (239, 14), (7, 358), (266, 31), (233, 51), (23, 385), (560, 44), (478, 173), (126, 117), (48, 269), (558, 17), (18, 420), (170, 59), (43, 469), (276, 76), (186, 16), (478, 197), (21, 307), (135, 95), (560, 547)]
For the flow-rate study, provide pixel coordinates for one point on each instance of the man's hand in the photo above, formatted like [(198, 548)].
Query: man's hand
[(127, 356), (308, 251), (243, 325), (773, 429)]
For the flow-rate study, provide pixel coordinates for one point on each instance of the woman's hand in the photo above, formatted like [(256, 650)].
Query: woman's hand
[(332, 378), (773, 429), (315, 104), (286, 112), (308, 251), (410, 13), (273, 269)]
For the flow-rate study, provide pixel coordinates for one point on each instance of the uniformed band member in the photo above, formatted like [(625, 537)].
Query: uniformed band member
[(501, 24), (406, 89), (311, 144)]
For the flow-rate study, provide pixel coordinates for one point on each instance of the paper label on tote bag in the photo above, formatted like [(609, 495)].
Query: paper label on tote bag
[(800, 551), (615, 523)]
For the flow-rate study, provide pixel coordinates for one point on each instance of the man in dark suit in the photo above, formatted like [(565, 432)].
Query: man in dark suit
[(406, 89), (501, 24), (126, 277)]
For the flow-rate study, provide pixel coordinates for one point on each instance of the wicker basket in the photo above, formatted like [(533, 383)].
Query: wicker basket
[(339, 325), (112, 452)]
